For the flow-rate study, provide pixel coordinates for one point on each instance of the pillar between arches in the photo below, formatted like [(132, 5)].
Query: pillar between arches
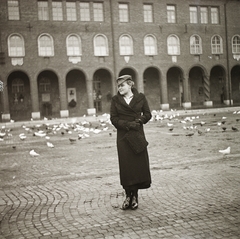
[(164, 93), (35, 102), (64, 112), (91, 110), (186, 101)]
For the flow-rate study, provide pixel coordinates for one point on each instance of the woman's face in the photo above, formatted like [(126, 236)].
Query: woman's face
[(124, 88)]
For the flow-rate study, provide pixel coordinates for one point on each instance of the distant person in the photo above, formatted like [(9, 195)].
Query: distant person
[(129, 111)]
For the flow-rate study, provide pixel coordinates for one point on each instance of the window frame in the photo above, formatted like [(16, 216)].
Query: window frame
[(71, 11), (194, 46), (123, 13), (40, 53), (98, 13), (84, 11), (171, 14), (193, 15), (150, 49), (43, 11), (204, 15), (236, 45), (123, 48), (216, 48), (57, 10), (147, 13), (13, 11), (68, 43), (21, 45), (215, 17), (100, 50), (173, 49)]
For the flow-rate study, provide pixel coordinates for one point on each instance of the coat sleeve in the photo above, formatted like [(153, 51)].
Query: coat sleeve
[(146, 113), (114, 117)]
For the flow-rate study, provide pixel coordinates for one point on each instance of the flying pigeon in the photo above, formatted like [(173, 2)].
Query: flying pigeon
[(225, 151), (33, 153)]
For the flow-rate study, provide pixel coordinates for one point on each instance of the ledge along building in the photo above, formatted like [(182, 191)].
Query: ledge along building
[(62, 58)]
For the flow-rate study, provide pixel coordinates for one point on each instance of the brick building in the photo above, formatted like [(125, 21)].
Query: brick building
[(61, 58)]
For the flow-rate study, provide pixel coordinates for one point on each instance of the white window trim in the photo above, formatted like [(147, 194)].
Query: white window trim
[(232, 44), (79, 41), (131, 41), (178, 46), (94, 44), (200, 44), (52, 45), (221, 45), (23, 45), (155, 45)]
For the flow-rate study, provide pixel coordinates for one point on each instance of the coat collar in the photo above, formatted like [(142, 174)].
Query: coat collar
[(136, 98)]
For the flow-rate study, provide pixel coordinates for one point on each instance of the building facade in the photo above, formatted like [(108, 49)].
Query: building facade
[(62, 58)]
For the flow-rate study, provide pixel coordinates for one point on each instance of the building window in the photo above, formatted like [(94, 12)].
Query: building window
[(13, 10), (16, 46), (204, 15), (216, 45), (84, 11), (44, 85), (98, 12), (100, 45), (193, 14), (173, 45), (71, 11), (17, 86), (74, 45), (126, 45), (148, 12), (236, 44), (57, 11), (123, 12), (45, 46), (150, 45), (171, 14), (195, 45), (214, 15), (43, 11)]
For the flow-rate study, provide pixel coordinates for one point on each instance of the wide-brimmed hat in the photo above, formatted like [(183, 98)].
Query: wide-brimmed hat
[(123, 78)]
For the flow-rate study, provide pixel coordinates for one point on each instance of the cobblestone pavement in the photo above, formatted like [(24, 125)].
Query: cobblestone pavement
[(73, 191)]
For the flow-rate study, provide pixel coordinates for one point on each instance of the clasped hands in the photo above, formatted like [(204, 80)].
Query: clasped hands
[(135, 125)]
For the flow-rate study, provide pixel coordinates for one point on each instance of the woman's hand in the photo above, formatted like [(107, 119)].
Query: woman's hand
[(133, 125)]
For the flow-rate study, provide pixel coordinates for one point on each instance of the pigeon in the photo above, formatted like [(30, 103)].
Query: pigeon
[(199, 132), (224, 129), (225, 151), (33, 153), (50, 145), (22, 136), (223, 122), (72, 140), (190, 134), (40, 134), (234, 129)]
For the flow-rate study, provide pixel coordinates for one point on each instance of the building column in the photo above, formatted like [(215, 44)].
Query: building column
[(91, 110), (186, 99), (227, 92), (140, 86), (206, 90), (6, 111), (35, 99), (64, 113), (164, 93)]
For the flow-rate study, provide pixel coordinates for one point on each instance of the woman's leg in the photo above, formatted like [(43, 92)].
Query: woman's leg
[(127, 201), (134, 201)]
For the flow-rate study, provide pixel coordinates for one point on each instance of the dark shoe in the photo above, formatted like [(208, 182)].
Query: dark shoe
[(126, 203), (134, 204)]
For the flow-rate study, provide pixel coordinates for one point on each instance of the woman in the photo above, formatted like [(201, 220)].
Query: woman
[(129, 111)]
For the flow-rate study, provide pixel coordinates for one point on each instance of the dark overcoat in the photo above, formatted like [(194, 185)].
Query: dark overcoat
[(134, 168)]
